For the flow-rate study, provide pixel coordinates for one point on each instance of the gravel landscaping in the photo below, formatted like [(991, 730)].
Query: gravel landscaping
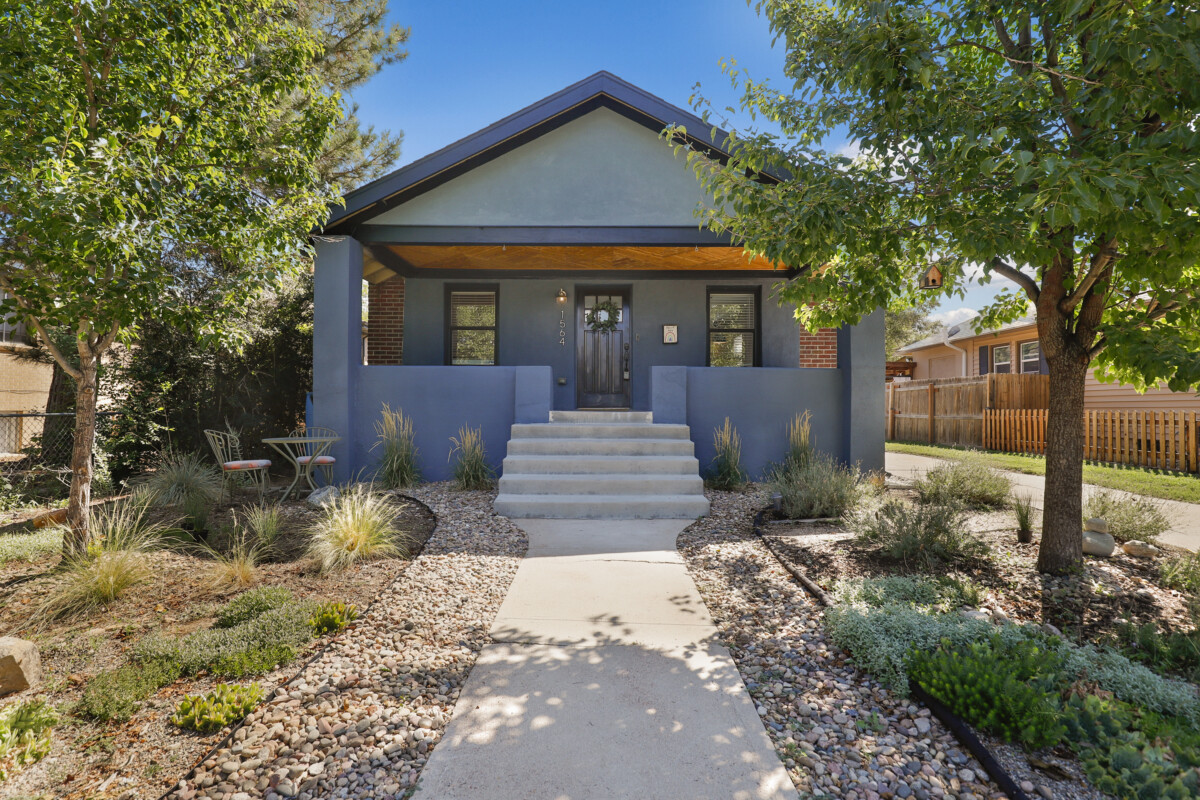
[(361, 720), (839, 732)]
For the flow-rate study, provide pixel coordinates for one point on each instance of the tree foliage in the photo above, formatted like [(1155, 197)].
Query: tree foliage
[(1053, 143), (904, 324), (129, 130)]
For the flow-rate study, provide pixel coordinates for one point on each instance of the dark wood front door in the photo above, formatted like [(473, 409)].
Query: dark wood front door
[(602, 372)]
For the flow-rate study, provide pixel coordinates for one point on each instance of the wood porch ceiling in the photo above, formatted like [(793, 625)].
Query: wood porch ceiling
[(573, 258)]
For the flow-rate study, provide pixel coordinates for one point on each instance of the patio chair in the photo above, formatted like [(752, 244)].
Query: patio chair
[(322, 462), (228, 449)]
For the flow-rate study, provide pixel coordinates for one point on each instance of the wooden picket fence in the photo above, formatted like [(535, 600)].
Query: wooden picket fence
[(951, 410), (1160, 439)]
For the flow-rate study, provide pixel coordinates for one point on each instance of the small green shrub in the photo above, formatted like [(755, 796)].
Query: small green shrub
[(1008, 688), (116, 695), (254, 603), (186, 482), (357, 526), (1129, 754), (1128, 517), (926, 535), (249, 648), (1022, 505), (331, 617), (398, 467), (816, 487), (1181, 573), (1164, 652), (25, 731), (223, 706), (471, 470), (940, 593), (265, 523), (30, 546), (725, 472), (965, 482)]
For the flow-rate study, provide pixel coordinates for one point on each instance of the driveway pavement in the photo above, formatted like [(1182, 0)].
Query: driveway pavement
[(1185, 517), (604, 681)]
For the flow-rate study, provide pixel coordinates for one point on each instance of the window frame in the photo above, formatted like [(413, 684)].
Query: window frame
[(1037, 360), (1007, 364), (756, 291), (447, 318)]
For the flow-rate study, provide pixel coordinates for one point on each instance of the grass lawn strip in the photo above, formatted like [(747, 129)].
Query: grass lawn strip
[(1162, 484), (837, 730), (361, 721)]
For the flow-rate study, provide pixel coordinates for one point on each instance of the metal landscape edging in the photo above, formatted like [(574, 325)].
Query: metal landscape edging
[(952, 721)]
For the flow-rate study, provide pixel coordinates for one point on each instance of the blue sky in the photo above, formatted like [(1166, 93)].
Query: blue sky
[(472, 63)]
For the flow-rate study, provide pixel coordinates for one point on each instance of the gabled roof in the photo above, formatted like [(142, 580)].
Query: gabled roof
[(602, 90), (965, 330)]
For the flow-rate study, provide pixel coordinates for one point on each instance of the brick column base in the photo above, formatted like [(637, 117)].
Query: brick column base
[(385, 322), (819, 349)]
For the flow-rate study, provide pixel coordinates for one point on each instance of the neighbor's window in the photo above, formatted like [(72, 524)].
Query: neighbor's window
[(1002, 358), (471, 325), (1031, 357), (733, 327)]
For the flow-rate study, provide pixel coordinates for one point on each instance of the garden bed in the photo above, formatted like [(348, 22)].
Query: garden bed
[(1084, 606), (146, 754)]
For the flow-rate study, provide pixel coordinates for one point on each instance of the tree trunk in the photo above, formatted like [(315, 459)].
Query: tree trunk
[(1061, 549), (56, 436), (78, 505)]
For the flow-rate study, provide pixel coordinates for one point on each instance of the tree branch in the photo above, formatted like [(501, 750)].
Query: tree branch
[(1025, 66), (1101, 262), (1016, 276), (1056, 83)]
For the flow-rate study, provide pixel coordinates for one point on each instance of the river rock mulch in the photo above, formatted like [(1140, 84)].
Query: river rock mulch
[(839, 732), (361, 720)]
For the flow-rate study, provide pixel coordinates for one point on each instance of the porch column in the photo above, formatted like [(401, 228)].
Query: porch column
[(861, 360), (337, 344)]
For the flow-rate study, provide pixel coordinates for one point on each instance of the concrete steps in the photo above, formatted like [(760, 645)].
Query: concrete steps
[(601, 465)]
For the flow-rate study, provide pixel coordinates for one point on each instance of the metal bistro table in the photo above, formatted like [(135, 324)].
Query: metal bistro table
[(294, 448)]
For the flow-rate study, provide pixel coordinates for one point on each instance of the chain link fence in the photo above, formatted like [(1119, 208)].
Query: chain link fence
[(38, 441)]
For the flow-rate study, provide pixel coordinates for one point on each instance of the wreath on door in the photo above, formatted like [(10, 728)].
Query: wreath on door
[(603, 317)]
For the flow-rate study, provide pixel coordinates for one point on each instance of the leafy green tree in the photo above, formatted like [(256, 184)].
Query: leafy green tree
[(129, 130), (904, 324), (1054, 143)]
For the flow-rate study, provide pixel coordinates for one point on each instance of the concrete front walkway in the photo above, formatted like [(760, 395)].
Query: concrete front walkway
[(604, 681), (1184, 517)]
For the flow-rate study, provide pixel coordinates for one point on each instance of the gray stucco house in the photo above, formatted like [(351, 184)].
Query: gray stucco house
[(552, 262)]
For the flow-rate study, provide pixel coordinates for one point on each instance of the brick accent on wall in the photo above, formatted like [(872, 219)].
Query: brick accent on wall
[(385, 322), (819, 349)]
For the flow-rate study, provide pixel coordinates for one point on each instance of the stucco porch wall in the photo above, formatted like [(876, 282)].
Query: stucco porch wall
[(528, 319), (440, 400), (759, 403)]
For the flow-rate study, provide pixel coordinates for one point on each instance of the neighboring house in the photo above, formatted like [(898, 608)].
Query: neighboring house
[(490, 263), (24, 386), (961, 352)]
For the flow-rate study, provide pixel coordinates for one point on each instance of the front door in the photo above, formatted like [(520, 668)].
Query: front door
[(602, 374)]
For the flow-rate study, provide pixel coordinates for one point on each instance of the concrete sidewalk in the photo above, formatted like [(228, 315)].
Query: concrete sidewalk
[(604, 681), (1184, 517)]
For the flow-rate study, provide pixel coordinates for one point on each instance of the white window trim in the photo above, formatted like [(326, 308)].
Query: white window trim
[(1036, 360), (997, 363)]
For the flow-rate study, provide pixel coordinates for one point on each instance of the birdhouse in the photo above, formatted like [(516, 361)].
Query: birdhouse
[(932, 279)]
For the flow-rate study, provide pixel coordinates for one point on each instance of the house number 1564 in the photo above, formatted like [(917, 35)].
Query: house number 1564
[(562, 327)]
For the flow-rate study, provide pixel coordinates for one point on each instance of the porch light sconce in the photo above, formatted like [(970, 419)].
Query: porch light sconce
[(561, 297)]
